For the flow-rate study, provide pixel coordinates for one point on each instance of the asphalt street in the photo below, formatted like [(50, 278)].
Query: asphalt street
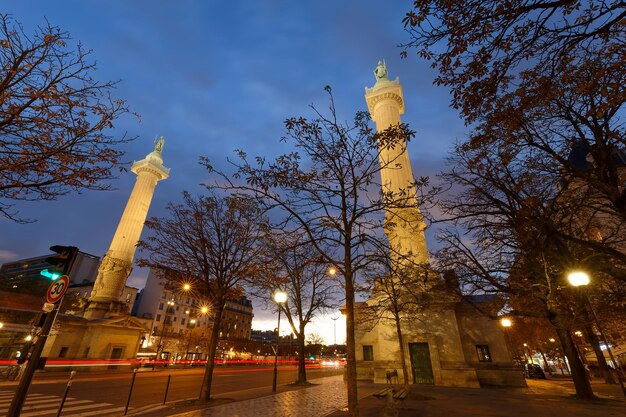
[(102, 393)]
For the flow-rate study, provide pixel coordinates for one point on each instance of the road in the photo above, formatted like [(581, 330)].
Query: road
[(106, 393)]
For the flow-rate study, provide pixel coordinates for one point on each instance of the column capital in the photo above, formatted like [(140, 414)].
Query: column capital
[(151, 166), (384, 91)]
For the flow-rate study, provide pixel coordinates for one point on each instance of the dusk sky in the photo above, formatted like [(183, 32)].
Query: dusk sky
[(213, 76)]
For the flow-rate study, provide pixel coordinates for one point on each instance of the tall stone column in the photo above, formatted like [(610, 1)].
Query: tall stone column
[(404, 225), (117, 262)]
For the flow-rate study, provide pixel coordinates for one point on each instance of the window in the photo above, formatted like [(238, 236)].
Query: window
[(160, 306), (182, 321), (158, 317), (368, 352), (63, 351), (483, 353)]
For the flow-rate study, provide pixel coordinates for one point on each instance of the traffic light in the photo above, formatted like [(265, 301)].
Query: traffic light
[(61, 263)]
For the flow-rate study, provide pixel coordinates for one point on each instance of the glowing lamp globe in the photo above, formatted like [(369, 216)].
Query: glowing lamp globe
[(578, 278), (280, 297)]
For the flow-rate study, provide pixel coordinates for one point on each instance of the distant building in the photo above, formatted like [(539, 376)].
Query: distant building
[(23, 276), (179, 321), (264, 336)]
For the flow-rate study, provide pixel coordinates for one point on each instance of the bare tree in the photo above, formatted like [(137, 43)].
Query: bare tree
[(314, 339), (482, 48), (54, 118), (328, 190), (515, 244), (211, 243), (297, 270)]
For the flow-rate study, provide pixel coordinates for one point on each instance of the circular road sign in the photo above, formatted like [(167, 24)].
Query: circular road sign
[(57, 289)]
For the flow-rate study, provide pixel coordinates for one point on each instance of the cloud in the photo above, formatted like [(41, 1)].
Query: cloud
[(7, 255)]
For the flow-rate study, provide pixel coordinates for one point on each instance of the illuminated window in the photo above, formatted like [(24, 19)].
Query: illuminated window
[(368, 352), (483, 353)]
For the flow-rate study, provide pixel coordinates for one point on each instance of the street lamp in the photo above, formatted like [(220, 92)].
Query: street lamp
[(334, 319), (581, 279), (279, 297), (506, 323)]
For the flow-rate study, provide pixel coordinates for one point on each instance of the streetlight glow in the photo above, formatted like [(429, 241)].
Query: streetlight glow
[(506, 322), (204, 309), (280, 297), (186, 286), (332, 271), (578, 278)]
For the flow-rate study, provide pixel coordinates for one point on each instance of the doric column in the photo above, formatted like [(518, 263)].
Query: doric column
[(405, 225), (117, 262)]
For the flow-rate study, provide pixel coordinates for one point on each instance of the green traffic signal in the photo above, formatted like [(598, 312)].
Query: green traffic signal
[(53, 275), (60, 262)]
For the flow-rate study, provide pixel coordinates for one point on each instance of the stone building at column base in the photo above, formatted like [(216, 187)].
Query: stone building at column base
[(75, 337), (449, 343)]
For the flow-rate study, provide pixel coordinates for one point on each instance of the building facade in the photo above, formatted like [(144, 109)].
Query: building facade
[(179, 322)]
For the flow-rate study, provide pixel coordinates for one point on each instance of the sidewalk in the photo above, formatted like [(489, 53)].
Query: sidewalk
[(324, 397), (549, 398)]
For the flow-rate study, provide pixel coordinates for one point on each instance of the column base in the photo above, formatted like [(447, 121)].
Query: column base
[(106, 310)]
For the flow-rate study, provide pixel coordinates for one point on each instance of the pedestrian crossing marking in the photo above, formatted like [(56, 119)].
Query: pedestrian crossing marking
[(65, 410), (33, 401), (31, 406), (38, 405)]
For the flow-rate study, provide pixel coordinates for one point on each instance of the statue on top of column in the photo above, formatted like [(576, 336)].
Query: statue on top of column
[(158, 144), (380, 72)]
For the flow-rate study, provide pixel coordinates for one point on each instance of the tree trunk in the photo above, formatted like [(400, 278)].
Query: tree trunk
[(581, 383), (595, 342), (353, 399), (405, 371), (545, 362), (207, 379), (301, 356)]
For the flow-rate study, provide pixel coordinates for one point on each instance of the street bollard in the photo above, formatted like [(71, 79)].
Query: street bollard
[(67, 390), (130, 393), (167, 387)]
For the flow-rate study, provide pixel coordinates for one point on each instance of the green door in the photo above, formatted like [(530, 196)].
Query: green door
[(420, 363)]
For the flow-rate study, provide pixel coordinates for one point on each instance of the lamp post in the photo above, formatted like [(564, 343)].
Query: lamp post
[(279, 297), (506, 324), (334, 319), (581, 279)]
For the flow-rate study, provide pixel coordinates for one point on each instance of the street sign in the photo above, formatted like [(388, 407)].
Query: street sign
[(57, 289)]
